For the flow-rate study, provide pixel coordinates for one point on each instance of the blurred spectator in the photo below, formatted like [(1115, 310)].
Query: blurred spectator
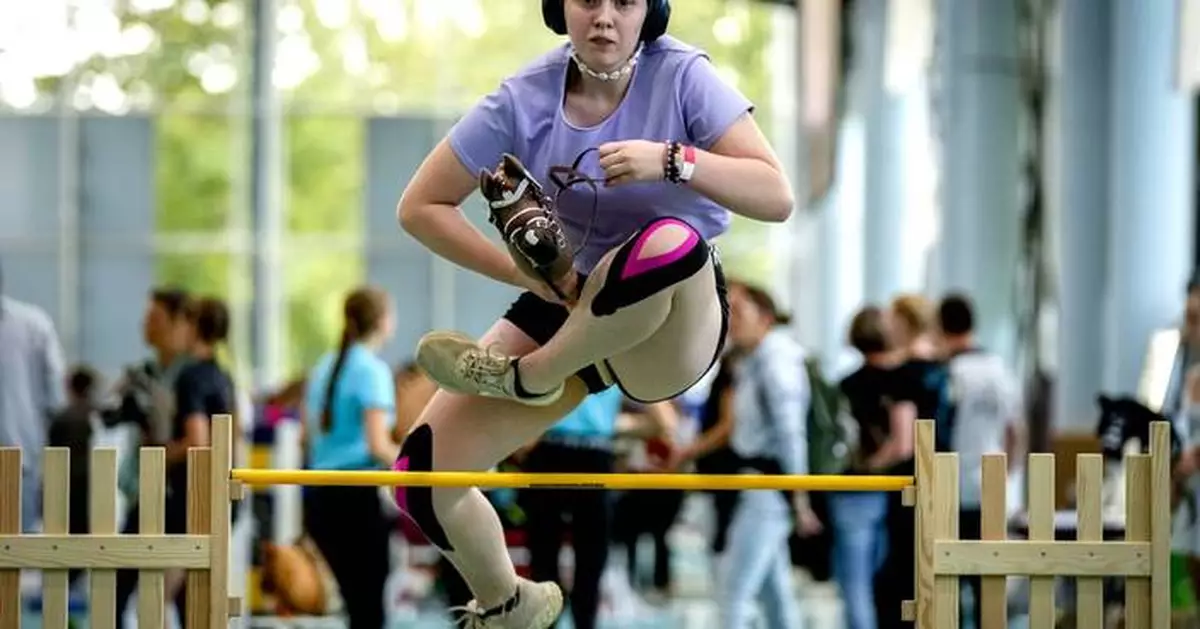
[(582, 442), (859, 519), (349, 418), (203, 388), (1181, 405), (985, 415), (921, 391), (771, 398), (1188, 355), (648, 512), (72, 428), (144, 394), (31, 389), (710, 451)]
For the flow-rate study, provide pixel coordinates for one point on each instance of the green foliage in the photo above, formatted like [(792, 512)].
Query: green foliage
[(325, 174), (193, 174), (315, 285), (365, 65)]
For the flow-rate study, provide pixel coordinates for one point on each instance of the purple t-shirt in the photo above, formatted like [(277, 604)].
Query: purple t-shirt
[(675, 94)]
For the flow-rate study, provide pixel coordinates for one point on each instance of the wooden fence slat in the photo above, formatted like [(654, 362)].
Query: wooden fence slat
[(1160, 525), (198, 584), (152, 521), (1089, 481), (56, 520), (993, 598), (10, 524), (924, 516), (1041, 528), (1137, 529), (945, 527), (102, 603), (220, 471)]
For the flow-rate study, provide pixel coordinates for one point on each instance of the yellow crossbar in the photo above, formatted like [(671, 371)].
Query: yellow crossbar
[(492, 480)]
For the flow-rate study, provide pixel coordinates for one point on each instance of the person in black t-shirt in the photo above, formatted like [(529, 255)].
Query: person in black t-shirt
[(923, 376), (202, 389), (922, 385), (859, 519), (710, 451)]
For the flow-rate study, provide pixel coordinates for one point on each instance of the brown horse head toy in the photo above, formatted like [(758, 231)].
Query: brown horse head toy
[(524, 214)]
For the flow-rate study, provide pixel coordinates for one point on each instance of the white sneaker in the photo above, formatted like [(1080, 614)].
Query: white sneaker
[(534, 606), (458, 364)]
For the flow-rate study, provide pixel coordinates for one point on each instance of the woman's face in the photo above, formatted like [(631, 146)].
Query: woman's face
[(604, 32), (387, 325), (747, 322)]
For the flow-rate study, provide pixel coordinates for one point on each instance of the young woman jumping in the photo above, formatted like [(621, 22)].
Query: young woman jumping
[(622, 285)]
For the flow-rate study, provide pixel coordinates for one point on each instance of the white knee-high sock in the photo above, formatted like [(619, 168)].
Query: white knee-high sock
[(473, 530)]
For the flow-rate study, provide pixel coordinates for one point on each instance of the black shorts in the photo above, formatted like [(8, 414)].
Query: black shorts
[(541, 320)]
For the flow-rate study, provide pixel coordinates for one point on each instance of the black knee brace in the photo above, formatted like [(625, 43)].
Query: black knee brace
[(631, 279), (417, 502)]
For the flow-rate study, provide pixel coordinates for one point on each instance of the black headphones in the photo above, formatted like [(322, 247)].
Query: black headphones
[(658, 15)]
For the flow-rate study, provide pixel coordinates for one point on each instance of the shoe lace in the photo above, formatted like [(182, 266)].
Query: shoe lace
[(486, 363), (471, 617)]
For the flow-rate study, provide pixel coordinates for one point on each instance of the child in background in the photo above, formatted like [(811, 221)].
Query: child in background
[(72, 428)]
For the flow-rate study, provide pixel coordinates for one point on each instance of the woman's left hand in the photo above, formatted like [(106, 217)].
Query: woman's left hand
[(632, 160)]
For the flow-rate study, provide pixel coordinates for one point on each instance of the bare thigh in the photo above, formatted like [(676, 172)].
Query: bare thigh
[(473, 434), (683, 348)]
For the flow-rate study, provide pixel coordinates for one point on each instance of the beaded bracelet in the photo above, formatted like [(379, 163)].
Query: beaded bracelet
[(671, 162)]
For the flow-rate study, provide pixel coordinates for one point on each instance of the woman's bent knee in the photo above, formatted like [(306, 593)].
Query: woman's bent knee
[(662, 254)]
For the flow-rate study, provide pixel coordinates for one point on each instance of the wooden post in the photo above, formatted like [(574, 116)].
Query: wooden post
[(1160, 525), (152, 494), (199, 523), (56, 519), (924, 516), (10, 524), (220, 473), (945, 527), (1041, 528), (993, 515), (1089, 481), (1137, 529), (102, 604)]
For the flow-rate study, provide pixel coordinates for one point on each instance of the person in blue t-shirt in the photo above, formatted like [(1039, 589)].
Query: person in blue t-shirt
[(349, 411), (581, 443)]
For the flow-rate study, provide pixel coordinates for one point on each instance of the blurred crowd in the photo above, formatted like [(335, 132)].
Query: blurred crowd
[(767, 407)]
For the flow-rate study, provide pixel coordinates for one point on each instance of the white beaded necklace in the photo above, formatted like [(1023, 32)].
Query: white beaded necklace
[(615, 75)]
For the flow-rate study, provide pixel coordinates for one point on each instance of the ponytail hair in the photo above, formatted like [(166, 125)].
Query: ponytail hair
[(363, 313)]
